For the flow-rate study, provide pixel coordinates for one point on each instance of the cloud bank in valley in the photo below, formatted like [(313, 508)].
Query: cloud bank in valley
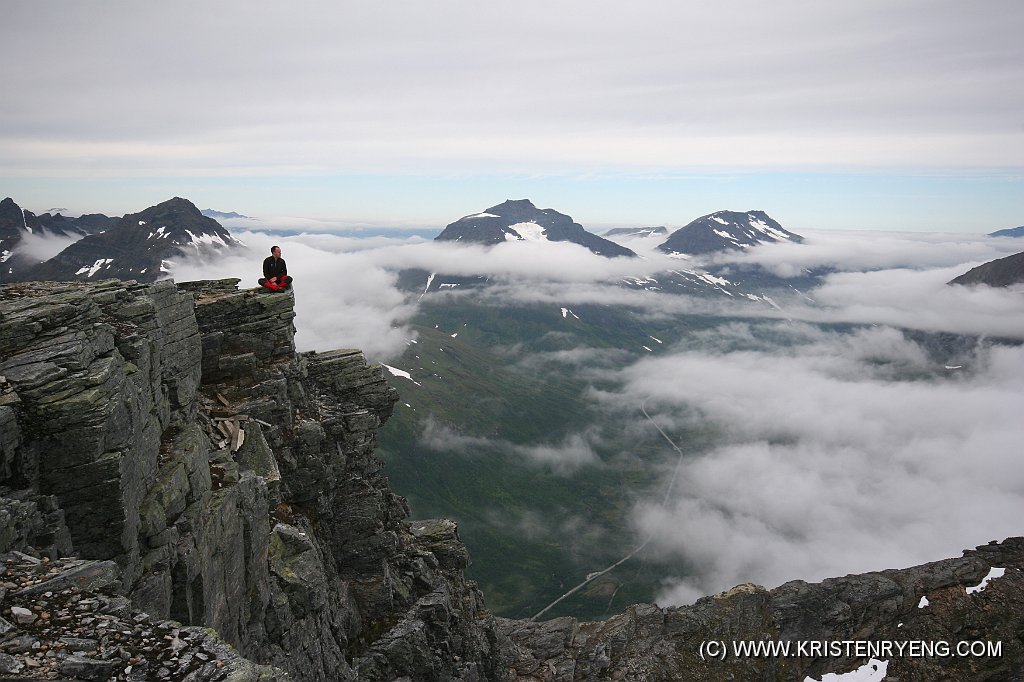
[(847, 250), (839, 453)]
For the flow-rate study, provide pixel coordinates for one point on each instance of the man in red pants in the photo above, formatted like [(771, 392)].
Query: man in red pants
[(275, 272)]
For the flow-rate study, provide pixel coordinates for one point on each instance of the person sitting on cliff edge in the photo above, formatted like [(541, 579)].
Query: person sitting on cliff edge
[(275, 272)]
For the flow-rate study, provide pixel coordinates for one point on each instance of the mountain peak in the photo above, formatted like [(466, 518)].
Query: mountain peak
[(138, 245), (518, 220), (512, 205), (727, 231)]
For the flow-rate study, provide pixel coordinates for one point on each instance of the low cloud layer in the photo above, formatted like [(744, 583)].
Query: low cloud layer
[(563, 457), (348, 296), (839, 453), (40, 247), (867, 250)]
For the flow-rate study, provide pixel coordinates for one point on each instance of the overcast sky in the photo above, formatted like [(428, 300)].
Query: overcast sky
[(879, 113)]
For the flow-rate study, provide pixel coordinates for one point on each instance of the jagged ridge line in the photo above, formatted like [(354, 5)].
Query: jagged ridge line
[(668, 491)]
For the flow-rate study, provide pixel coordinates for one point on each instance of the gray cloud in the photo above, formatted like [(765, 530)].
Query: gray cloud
[(321, 87)]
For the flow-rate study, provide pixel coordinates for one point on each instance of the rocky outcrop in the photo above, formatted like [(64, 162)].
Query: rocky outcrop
[(285, 538), (184, 496), (69, 619), (926, 604)]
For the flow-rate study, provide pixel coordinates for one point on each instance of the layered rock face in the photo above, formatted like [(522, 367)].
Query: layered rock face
[(175, 432)]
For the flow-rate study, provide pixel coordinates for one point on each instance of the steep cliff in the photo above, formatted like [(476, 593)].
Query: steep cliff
[(183, 496), (175, 432)]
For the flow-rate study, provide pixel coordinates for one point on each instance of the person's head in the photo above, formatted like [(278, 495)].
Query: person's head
[(275, 251)]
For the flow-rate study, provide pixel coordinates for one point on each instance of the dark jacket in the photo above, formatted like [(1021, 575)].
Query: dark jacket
[(274, 267)]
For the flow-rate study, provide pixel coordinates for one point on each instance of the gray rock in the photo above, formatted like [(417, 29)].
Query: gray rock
[(22, 616), (82, 668), (9, 664)]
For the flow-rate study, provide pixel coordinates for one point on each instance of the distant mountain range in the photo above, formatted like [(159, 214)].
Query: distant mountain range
[(1011, 232), (520, 220), (636, 231), (221, 215), (724, 231), (16, 224), (727, 231), (133, 247), (1001, 272)]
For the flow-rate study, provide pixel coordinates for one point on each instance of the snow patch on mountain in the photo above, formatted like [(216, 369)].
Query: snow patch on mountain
[(95, 267), (205, 239), (400, 373), (529, 232), (993, 573)]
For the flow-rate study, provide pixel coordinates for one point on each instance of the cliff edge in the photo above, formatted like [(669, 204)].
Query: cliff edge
[(223, 480)]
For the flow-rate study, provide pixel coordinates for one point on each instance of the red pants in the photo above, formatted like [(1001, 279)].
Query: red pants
[(282, 283)]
